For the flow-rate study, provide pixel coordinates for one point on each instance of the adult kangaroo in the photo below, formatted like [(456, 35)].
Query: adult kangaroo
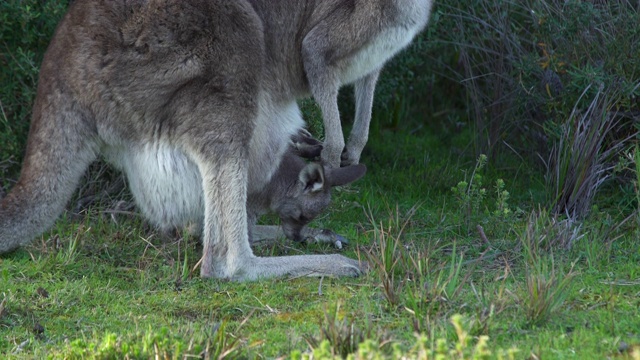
[(196, 99)]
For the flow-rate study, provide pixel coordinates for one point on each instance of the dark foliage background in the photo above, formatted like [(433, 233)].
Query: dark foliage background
[(26, 26)]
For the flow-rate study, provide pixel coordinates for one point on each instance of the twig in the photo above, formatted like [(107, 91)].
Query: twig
[(21, 346), (320, 286), (196, 265), (4, 301), (482, 235), (121, 212)]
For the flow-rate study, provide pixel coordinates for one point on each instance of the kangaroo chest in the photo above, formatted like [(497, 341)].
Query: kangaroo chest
[(376, 52)]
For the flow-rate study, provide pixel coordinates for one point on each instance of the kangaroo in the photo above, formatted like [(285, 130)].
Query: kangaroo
[(298, 192), (195, 101)]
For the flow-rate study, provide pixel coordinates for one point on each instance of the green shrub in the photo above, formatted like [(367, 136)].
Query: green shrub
[(26, 26), (524, 65)]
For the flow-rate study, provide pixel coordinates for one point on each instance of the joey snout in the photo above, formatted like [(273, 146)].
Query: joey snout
[(293, 230)]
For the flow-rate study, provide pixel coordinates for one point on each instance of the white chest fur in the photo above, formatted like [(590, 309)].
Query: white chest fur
[(375, 53), (413, 16)]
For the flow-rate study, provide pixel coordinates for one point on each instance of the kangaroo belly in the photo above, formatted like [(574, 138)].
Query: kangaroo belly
[(166, 185)]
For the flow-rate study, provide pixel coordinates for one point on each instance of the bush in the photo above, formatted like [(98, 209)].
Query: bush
[(26, 26), (529, 70), (525, 64)]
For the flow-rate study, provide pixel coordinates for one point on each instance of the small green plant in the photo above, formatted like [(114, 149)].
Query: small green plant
[(545, 232), (422, 297), (156, 343), (185, 271), (502, 197), (341, 337), (465, 347), (454, 281), (222, 345), (70, 253), (474, 200), (483, 317), (428, 287), (470, 194)]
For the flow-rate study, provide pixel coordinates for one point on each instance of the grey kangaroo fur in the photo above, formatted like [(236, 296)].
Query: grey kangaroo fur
[(195, 100)]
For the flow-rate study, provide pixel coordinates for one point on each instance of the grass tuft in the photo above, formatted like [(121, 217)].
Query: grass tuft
[(546, 286), (547, 289), (387, 257), (343, 336), (585, 154)]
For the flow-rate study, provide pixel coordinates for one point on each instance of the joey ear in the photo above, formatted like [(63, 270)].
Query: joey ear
[(312, 177), (345, 175)]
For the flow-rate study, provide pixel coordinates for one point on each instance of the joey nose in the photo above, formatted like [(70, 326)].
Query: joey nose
[(292, 231)]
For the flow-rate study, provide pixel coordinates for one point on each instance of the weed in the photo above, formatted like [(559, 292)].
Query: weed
[(185, 271), (474, 199), (453, 282), (502, 197), (387, 257), (422, 349), (432, 288), (546, 291), (341, 337), (470, 193), (156, 343), (485, 311), (544, 233), (221, 345), (582, 158), (546, 286), (70, 252), (422, 296)]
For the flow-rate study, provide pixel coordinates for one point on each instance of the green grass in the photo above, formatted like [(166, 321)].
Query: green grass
[(94, 288)]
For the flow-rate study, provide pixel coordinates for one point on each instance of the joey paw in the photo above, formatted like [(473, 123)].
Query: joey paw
[(329, 237), (305, 145), (340, 241)]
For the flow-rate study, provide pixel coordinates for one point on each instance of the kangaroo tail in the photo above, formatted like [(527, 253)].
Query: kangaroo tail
[(60, 147)]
